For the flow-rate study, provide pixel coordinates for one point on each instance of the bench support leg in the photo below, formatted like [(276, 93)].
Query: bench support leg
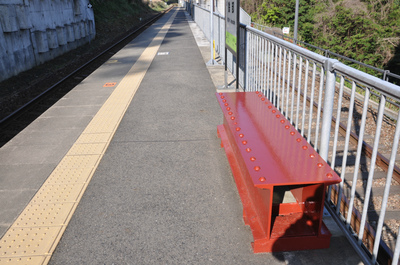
[(272, 233), (251, 201)]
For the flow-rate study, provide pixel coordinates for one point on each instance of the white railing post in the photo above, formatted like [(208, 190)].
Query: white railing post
[(328, 108)]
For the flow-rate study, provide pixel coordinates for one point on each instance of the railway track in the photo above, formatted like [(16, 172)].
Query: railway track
[(392, 213), (294, 85), (17, 120), (23, 114), (348, 167)]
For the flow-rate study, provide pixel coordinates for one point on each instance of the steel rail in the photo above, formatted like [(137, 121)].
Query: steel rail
[(51, 88), (270, 44), (385, 253), (381, 160)]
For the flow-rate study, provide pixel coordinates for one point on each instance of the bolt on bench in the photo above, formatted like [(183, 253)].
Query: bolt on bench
[(280, 178)]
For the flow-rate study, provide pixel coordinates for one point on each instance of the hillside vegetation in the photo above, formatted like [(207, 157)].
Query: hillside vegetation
[(364, 30), (118, 16)]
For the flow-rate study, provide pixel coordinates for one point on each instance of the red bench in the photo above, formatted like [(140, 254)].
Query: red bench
[(269, 159)]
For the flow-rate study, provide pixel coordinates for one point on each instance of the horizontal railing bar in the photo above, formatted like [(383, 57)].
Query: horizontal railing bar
[(326, 51), (378, 84), (266, 55), (306, 53)]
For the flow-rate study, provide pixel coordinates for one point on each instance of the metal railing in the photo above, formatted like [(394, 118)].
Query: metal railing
[(384, 74), (318, 96), (202, 18)]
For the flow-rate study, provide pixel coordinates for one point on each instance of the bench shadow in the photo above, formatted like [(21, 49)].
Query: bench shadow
[(305, 222), (322, 248), (339, 251)]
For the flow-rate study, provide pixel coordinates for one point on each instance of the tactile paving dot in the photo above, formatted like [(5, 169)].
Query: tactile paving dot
[(93, 138), (122, 97), (87, 161), (101, 127), (35, 234), (19, 242), (48, 214), (69, 176), (58, 193), (112, 109), (23, 260), (87, 149), (108, 120)]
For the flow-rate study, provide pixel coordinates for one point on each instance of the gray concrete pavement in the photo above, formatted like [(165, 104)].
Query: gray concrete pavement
[(29, 158), (163, 192)]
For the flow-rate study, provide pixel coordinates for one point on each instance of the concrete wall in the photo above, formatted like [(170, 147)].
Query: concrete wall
[(35, 31)]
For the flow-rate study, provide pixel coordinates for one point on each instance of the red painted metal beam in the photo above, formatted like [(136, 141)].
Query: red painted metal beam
[(265, 152)]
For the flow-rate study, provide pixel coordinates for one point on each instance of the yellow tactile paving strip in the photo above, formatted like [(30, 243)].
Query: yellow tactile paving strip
[(35, 234)]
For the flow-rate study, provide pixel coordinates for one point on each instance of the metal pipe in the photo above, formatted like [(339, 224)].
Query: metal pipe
[(372, 168), (328, 108), (283, 82), (303, 116), (358, 157), (298, 92), (321, 85), (279, 77), (364, 257), (346, 145), (262, 53), (336, 133), (387, 190), (288, 85), (337, 123), (247, 59), (396, 253), (270, 70), (293, 87), (310, 118), (265, 57), (275, 75)]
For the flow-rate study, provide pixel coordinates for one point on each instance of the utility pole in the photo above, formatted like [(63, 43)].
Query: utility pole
[(296, 21)]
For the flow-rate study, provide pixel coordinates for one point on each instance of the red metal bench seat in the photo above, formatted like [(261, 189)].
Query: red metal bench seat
[(268, 159)]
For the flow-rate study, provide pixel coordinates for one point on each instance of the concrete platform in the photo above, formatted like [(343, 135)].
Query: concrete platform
[(163, 192)]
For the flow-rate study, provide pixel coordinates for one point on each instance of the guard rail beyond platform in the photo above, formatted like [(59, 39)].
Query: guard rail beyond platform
[(281, 179)]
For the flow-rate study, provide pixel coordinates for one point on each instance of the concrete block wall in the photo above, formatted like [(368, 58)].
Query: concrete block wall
[(35, 31)]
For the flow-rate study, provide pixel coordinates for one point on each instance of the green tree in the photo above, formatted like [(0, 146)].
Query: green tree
[(281, 13), (367, 31)]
